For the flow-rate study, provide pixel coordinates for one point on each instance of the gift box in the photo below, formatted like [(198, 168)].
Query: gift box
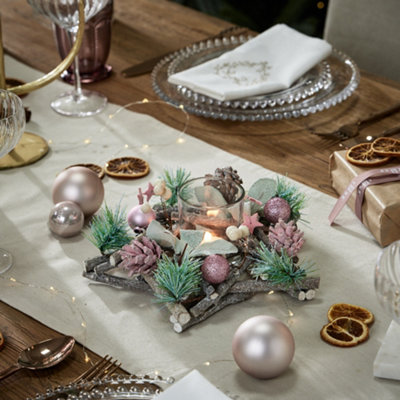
[(373, 194)]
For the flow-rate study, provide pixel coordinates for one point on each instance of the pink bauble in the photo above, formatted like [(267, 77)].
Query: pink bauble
[(215, 268), (81, 186), (277, 208), (263, 347), (66, 219), (137, 218)]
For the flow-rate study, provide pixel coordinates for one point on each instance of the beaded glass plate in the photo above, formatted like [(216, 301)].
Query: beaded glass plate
[(120, 387), (327, 84)]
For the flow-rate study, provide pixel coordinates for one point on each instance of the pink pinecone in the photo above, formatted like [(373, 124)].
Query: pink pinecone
[(140, 256), (286, 236)]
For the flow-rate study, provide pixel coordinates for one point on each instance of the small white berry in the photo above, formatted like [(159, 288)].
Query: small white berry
[(245, 230), (159, 187), (167, 194), (233, 233), (145, 208)]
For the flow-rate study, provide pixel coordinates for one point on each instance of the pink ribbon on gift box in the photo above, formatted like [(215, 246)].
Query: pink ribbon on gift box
[(361, 182)]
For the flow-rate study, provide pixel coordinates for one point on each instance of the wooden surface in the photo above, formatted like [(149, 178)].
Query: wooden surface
[(142, 29)]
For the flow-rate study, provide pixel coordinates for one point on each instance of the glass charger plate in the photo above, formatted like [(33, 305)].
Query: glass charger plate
[(329, 83), (121, 387)]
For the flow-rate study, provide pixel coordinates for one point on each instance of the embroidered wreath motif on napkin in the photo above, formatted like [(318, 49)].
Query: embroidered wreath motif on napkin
[(243, 73)]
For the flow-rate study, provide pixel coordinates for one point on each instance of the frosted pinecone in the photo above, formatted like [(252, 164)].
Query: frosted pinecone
[(226, 181), (286, 236), (140, 256)]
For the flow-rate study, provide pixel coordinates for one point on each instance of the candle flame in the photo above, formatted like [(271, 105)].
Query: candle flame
[(212, 213), (208, 237)]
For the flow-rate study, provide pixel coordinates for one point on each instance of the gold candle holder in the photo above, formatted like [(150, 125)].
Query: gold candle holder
[(32, 147)]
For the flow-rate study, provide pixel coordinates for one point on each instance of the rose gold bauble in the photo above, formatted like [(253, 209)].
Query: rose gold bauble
[(137, 218), (66, 219), (263, 347), (81, 186), (215, 268)]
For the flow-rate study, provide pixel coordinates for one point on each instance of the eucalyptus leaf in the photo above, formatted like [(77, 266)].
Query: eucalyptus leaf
[(162, 236), (192, 237), (262, 190), (210, 195), (219, 246)]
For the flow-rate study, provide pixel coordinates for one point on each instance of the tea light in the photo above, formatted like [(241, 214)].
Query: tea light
[(202, 207)]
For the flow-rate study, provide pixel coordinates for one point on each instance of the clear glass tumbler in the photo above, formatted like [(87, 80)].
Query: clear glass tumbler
[(94, 50), (387, 280), (207, 204), (12, 125)]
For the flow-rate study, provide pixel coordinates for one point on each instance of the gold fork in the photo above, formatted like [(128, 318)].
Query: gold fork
[(101, 369), (351, 130)]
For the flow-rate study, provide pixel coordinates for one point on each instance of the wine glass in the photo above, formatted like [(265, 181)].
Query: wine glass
[(12, 125), (78, 102), (387, 288)]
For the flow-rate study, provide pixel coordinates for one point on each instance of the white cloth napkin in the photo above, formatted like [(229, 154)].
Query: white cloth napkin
[(194, 387), (272, 61)]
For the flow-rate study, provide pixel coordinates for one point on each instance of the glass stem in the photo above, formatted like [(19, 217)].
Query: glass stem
[(77, 80)]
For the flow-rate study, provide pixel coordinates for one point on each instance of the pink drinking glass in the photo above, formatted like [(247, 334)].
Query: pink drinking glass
[(94, 50)]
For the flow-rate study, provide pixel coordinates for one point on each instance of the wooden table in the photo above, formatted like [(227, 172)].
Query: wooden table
[(141, 30)]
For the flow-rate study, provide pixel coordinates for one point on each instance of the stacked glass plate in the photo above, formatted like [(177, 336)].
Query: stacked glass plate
[(327, 84)]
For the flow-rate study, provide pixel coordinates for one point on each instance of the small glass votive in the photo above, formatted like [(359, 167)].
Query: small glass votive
[(209, 204), (94, 50), (387, 280)]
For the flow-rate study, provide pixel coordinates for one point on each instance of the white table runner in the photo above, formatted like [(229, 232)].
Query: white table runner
[(128, 325)]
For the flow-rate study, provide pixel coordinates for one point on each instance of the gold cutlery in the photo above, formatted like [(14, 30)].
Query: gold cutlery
[(148, 65), (101, 369), (42, 355), (351, 130)]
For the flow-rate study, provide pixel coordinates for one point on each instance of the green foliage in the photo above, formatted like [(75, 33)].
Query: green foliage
[(291, 194), (174, 182), (109, 230), (178, 281), (278, 269)]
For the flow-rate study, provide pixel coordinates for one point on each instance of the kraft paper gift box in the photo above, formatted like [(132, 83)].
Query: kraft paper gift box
[(380, 208)]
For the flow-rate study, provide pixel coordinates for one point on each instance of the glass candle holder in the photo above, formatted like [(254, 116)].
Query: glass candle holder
[(209, 204)]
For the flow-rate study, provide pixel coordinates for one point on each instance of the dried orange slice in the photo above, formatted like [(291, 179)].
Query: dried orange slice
[(364, 156), (127, 167), (386, 146), (94, 167), (345, 332), (1, 340), (350, 310)]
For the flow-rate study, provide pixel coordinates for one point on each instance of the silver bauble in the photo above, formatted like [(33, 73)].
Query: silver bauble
[(66, 219), (263, 347), (80, 185)]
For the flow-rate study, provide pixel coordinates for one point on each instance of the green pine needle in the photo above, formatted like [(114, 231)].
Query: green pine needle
[(109, 230), (278, 269), (174, 182), (291, 194), (177, 281)]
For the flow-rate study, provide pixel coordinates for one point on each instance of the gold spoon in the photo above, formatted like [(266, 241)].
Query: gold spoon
[(42, 355)]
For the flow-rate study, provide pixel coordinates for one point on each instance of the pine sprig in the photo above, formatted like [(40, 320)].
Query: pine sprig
[(178, 281), (174, 181), (292, 195), (109, 230), (278, 269)]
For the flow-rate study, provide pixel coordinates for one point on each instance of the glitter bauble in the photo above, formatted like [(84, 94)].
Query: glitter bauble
[(263, 347), (66, 219), (80, 185), (215, 268), (137, 218), (275, 209)]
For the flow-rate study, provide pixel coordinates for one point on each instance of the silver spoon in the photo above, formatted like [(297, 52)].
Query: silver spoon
[(42, 355)]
